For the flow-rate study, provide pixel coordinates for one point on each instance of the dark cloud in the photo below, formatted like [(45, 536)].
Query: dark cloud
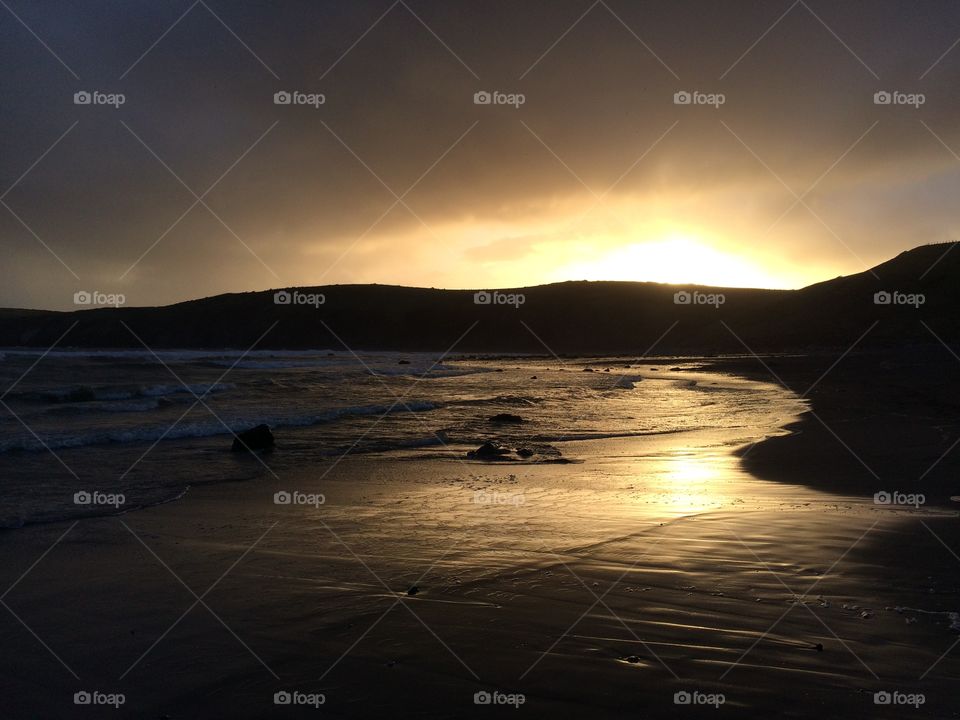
[(483, 187)]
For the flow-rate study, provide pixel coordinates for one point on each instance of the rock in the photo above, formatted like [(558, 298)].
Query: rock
[(588, 369), (533, 377), (525, 452), (413, 590), (632, 659), (403, 362), (506, 418), (489, 451), (258, 438)]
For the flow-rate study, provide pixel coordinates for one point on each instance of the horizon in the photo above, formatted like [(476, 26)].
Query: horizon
[(487, 288)]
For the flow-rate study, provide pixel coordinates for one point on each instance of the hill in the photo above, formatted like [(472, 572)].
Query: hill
[(568, 318)]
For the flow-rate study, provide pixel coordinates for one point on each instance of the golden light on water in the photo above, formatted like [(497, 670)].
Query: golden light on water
[(692, 479)]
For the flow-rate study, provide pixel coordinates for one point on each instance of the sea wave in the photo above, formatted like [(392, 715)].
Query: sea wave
[(121, 406), (200, 429), (514, 400), (427, 371), (88, 394)]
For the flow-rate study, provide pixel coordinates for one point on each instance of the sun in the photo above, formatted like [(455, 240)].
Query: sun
[(677, 257)]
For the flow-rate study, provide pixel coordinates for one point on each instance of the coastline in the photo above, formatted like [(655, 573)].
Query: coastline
[(693, 559), (877, 422)]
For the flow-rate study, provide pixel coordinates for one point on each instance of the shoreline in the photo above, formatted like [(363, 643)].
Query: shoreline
[(688, 573), (606, 586)]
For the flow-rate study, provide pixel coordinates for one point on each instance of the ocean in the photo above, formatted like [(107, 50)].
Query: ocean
[(87, 433)]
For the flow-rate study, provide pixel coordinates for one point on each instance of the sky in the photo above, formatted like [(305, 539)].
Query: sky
[(185, 178)]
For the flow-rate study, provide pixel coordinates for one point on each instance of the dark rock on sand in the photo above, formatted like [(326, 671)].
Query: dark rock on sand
[(403, 362), (506, 418), (413, 590), (525, 452), (490, 451), (258, 438), (588, 369)]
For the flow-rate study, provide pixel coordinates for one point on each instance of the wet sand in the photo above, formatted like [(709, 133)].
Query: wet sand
[(599, 589)]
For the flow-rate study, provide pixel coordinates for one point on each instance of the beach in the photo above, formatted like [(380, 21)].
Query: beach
[(440, 360), (653, 576)]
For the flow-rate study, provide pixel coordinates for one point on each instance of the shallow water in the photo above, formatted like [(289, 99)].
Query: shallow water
[(711, 580), (146, 427)]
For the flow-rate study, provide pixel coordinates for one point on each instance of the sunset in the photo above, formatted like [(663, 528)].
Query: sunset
[(557, 358), (782, 167)]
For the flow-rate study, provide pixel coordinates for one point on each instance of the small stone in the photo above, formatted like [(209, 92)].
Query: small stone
[(413, 590), (258, 438)]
